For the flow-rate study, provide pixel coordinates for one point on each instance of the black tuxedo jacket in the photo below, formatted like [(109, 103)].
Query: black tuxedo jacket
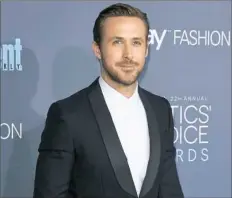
[(80, 154)]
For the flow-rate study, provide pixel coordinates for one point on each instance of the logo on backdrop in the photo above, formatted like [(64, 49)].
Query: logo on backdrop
[(11, 131), (191, 116), (10, 59), (207, 38)]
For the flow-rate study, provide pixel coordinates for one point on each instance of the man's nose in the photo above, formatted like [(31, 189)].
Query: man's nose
[(127, 54)]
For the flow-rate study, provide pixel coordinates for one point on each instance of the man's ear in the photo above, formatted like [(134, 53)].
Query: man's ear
[(96, 50), (147, 50)]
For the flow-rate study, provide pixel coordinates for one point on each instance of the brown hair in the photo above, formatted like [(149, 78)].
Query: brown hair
[(118, 9)]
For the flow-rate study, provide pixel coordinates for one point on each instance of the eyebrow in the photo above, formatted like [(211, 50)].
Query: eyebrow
[(115, 38), (121, 38), (138, 38)]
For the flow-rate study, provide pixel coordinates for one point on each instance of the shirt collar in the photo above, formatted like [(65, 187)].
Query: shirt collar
[(112, 95)]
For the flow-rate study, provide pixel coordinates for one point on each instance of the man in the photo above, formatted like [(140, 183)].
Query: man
[(112, 139)]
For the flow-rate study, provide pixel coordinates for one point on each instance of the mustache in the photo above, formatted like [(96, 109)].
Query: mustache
[(127, 63)]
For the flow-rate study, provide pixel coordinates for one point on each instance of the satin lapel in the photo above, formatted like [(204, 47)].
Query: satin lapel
[(155, 150), (111, 140)]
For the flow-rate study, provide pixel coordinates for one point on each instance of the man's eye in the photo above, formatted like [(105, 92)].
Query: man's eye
[(137, 43), (117, 42)]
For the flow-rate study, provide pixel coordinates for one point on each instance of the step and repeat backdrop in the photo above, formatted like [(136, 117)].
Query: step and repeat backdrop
[(46, 55)]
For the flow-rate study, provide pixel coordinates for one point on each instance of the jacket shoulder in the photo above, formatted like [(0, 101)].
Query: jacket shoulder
[(157, 99), (71, 103)]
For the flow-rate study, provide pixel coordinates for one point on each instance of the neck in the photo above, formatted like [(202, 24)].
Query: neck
[(126, 91)]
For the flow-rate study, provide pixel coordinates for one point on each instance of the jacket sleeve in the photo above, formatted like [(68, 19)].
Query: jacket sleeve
[(170, 185), (55, 159)]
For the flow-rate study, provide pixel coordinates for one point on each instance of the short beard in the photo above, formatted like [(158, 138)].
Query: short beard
[(116, 78)]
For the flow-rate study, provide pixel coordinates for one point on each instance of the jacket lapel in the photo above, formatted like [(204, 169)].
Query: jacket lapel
[(114, 148), (154, 160), (111, 140)]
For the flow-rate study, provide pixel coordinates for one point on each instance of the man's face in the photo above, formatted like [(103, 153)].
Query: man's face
[(123, 48)]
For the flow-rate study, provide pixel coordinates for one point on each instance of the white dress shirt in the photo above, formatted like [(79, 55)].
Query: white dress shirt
[(130, 121)]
